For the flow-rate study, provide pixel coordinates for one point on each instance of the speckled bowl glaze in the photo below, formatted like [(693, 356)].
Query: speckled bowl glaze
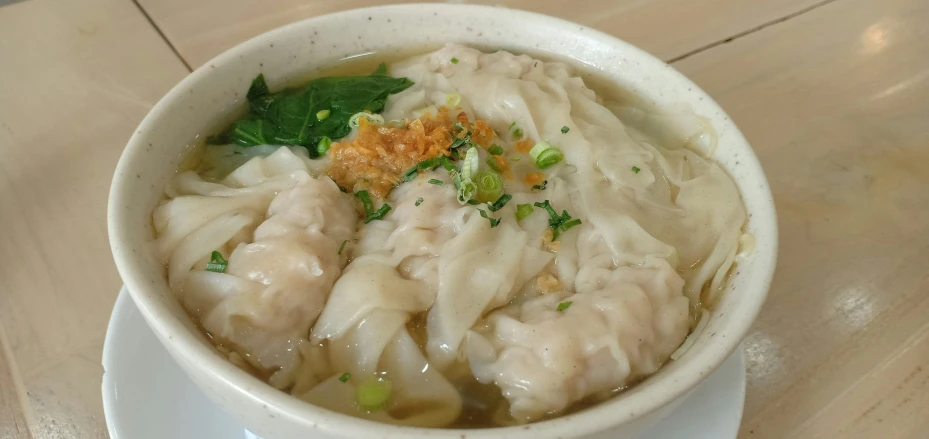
[(216, 89)]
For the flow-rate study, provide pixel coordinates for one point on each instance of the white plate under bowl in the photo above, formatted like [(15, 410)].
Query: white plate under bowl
[(147, 396)]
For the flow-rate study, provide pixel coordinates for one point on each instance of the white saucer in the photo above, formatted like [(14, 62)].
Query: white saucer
[(147, 396)]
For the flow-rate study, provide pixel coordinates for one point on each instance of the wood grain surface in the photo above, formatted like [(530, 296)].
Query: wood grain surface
[(833, 95)]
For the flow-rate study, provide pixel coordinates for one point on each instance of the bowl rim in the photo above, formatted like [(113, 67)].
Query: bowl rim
[(603, 416)]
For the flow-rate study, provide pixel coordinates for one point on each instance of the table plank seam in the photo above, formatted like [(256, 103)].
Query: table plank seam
[(162, 35), (750, 31)]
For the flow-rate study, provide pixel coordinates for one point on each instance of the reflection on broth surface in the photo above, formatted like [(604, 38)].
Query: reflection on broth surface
[(454, 239)]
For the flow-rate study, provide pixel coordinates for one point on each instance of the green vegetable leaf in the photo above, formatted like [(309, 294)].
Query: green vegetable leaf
[(258, 88), (292, 116)]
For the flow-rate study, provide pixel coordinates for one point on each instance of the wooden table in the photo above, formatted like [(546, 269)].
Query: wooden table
[(833, 94)]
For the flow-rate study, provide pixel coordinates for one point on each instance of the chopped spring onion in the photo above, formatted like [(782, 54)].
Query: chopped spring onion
[(565, 129), (495, 149), (376, 119), (454, 60), (512, 124), (342, 247), (636, 169), (470, 164), (518, 133), (463, 182), (453, 99), (497, 205), (428, 165), (217, 264), (689, 341), (492, 164), (373, 394), (516, 159), (396, 123), (370, 213), (545, 154), (323, 145), (540, 187), (558, 223), (489, 187), (564, 305), (435, 181), (322, 114), (419, 201), (458, 126), (345, 377), (494, 222), (523, 210)]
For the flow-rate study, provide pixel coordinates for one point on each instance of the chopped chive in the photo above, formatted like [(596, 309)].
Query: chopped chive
[(564, 305), (435, 181), (636, 169), (540, 187), (492, 164), (564, 227), (323, 145), (365, 201), (342, 247), (558, 223), (427, 165), (379, 214), (497, 205), (322, 114), (454, 60), (345, 376), (217, 263), (418, 201), (522, 211), (370, 213), (494, 222), (495, 149), (565, 129)]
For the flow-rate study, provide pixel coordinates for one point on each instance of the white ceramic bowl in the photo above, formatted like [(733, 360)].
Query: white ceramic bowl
[(208, 95)]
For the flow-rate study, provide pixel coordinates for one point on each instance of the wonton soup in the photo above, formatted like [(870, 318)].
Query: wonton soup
[(458, 239)]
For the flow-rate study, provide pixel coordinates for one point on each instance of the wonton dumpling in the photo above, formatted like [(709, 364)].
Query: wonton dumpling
[(392, 277), (544, 360), (280, 269), (696, 221)]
